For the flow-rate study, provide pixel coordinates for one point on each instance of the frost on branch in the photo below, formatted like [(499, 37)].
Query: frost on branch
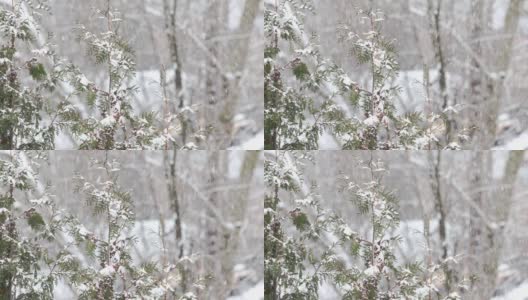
[(111, 272), (307, 95), (25, 232), (116, 125), (41, 245), (306, 245), (33, 112), (23, 101), (117, 276)]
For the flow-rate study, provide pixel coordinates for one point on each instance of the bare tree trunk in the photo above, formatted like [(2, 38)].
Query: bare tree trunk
[(172, 185), (172, 182), (212, 227), (480, 85), (215, 234), (238, 61), (487, 89), (511, 171), (440, 208), (486, 239), (511, 23), (170, 11), (241, 199), (434, 15), (481, 237), (213, 74), (503, 198)]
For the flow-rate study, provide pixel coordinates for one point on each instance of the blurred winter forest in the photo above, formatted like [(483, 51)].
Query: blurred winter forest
[(448, 225), (131, 225), (461, 60), (194, 65)]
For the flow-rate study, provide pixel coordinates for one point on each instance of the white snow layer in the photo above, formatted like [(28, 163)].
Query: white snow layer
[(518, 293), (254, 293), (518, 143), (254, 143)]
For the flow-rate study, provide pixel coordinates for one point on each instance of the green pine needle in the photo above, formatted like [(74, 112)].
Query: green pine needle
[(35, 221), (301, 71), (37, 72), (300, 220)]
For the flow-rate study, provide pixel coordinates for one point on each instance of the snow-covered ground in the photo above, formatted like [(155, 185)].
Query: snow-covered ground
[(254, 293), (327, 142), (254, 143), (518, 143), (518, 293), (499, 12)]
